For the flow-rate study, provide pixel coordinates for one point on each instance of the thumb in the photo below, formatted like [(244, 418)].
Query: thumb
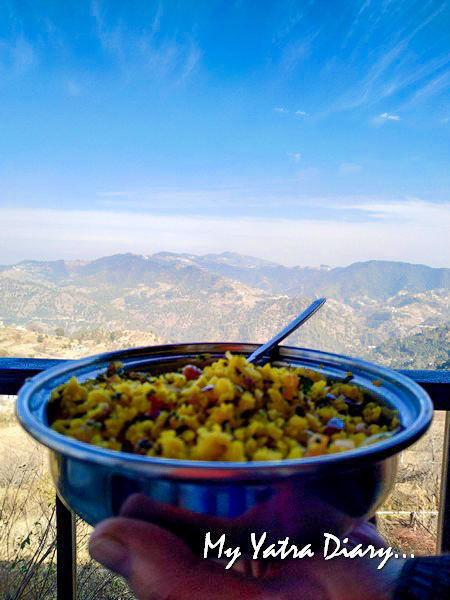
[(159, 566)]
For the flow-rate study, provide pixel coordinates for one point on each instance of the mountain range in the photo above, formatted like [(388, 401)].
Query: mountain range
[(232, 297)]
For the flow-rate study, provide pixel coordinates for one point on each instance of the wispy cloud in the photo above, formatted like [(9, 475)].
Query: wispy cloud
[(290, 19), (295, 156), (16, 56), (388, 117), (374, 86), (111, 38), (193, 57), (114, 194), (301, 113), (410, 212), (436, 85), (157, 19), (383, 118), (262, 196), (298, 51), (280, 109), (55, 234), (400, 63), (365, 4), (147, 52), (354, 25), (198, 200)]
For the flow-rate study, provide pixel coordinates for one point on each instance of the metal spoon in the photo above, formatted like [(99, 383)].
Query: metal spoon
[(279, 337)]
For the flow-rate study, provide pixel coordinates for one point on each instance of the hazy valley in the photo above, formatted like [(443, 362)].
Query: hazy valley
[(395, 313)]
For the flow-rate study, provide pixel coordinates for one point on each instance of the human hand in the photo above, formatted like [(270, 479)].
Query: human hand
[(158, 565)]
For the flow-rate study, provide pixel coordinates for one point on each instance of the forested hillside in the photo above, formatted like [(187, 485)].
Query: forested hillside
[(396, 313)]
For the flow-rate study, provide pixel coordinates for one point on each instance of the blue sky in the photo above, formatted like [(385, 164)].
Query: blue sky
[(305, 132)]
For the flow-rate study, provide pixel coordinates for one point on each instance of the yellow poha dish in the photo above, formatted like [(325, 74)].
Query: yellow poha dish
[(229, 410)]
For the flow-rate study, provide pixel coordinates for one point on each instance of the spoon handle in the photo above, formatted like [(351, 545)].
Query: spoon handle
[(314, 307)]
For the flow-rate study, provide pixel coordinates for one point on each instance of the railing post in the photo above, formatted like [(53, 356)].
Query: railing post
[(443, 532), (65, 552)]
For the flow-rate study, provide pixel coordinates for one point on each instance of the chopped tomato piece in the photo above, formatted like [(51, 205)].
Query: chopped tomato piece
[(191, 372)]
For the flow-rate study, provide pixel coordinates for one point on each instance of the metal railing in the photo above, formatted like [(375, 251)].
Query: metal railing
[(14, 372)]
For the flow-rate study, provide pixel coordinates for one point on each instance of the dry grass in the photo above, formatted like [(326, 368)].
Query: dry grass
[(28, 530), (35, 344), (409, 535), (417, 489)]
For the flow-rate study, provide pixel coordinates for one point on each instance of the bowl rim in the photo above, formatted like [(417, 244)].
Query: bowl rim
[(193, 469)]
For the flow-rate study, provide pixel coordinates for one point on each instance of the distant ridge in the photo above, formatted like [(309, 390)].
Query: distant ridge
[(231, 297), (377, 279)]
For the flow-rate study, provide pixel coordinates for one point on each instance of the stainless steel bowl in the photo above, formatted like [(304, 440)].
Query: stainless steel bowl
[(301, 498)]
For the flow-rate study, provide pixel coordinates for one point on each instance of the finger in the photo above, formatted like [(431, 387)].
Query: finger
[(188, 525), (139, 506), (191, 527), (159, 566)]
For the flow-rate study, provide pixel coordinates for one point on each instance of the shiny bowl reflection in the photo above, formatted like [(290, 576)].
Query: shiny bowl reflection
[(301, 498)]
